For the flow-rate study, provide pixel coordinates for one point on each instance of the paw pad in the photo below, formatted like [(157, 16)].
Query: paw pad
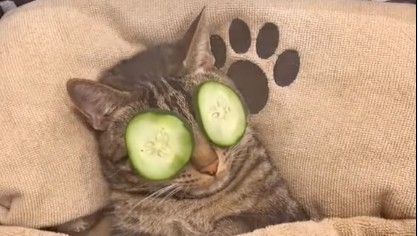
[(239, 34), (286, 67), (267, 40), (249, 78), (219, 50)]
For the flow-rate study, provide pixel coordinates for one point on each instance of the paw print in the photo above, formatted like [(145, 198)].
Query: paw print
[(249, 78)]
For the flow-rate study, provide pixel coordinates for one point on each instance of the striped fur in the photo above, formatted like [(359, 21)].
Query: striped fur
[(250, 193), (247, 191)]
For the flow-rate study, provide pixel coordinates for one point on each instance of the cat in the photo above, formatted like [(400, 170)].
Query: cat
[(222, 191)]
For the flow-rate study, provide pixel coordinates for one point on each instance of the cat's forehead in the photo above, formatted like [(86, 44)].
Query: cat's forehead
[(214, 75), (186, 83), (163, 88)]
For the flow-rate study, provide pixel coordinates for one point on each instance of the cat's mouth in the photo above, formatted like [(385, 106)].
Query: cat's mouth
[(225, 178)]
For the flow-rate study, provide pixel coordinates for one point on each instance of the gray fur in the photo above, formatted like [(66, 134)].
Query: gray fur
[(246, 193)]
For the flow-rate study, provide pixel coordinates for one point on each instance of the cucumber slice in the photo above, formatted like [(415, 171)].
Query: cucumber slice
[(221, 113), (159, 144)]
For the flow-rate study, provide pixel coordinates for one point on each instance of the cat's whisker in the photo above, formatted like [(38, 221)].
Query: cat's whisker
[(170, 194), (156, 194), (239, 155), (161, 191), (152, 195)]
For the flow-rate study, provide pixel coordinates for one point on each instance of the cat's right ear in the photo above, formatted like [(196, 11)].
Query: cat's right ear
[(198, 55), (95, 101)]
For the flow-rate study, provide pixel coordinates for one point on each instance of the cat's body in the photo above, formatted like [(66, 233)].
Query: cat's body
[(255, 198), (223, 191)]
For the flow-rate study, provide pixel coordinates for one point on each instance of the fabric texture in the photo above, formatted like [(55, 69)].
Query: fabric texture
[(337, 112), (20, 231), (7, 5), (337, 226)]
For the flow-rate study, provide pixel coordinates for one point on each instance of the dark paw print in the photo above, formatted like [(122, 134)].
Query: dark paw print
[(249, 78)]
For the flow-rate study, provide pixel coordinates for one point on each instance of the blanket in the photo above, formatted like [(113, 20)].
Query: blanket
[(330, 86)]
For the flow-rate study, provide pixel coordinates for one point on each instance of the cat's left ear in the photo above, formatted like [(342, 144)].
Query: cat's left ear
[(199, 58), (95, 101)]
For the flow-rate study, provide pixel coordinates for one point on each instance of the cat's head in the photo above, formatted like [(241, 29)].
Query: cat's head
[(108, 106)]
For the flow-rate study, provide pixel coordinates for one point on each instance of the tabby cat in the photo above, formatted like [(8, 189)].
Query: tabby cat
[(222, 191)]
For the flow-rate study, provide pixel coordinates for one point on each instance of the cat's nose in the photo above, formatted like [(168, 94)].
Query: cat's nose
[(210, 169), (204, 159)]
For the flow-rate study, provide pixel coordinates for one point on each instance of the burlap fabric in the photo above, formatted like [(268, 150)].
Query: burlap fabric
[(340, 123)]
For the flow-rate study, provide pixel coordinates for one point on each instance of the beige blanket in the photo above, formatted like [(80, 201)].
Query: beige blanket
[(334, 103)]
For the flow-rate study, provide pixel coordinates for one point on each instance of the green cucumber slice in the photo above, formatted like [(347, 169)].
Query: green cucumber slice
[(221, 113), (159, 144)]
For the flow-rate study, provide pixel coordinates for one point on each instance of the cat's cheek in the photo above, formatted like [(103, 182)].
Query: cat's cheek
[(203, 184), (112, 148), (119, 153), (223, 170), (223, 164)]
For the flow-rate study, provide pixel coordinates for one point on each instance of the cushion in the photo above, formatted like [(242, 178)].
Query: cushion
[(330, 85)]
